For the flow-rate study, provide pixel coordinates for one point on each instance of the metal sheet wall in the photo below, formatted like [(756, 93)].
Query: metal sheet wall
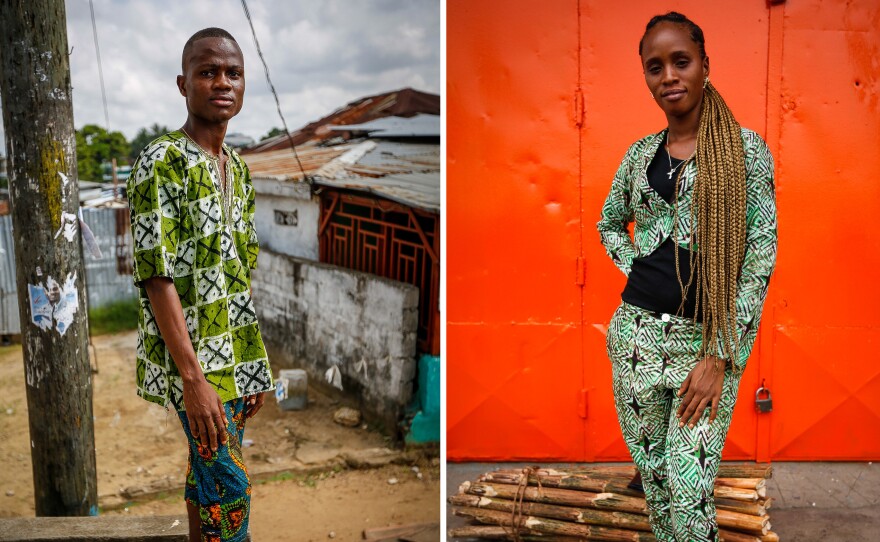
[(543, 101), (103, 283), (9, 317)]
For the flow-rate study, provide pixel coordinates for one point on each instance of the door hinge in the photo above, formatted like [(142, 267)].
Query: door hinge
[(580, 271), (578, 107), (582, 404)]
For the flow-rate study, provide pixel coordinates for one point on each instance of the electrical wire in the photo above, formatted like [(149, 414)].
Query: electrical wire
[(247, 14), (100, 69)]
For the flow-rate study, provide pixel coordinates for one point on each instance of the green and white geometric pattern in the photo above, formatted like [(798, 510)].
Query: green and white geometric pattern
[(631, 199), (651, 355), (180, 232)]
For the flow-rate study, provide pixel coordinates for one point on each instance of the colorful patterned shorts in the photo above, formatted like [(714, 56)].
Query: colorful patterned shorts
[(217, 483)]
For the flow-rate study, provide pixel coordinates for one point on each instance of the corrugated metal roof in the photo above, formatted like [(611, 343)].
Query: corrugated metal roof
[(420, 190), (402, 103), (421, 125), (402, 172), (407, 173), (281, 165)]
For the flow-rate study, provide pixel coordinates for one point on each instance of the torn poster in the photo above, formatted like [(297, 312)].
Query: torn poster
[(89, 238), (67, 305), (41, 309), (52, 303), (69, 222)]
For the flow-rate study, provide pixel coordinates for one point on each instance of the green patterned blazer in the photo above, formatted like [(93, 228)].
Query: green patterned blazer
[(631, 199)]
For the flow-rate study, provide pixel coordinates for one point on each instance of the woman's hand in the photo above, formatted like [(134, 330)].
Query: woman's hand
[(701, 388)]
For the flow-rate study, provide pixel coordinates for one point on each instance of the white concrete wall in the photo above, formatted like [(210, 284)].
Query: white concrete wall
[(315, 315), (288, 197)]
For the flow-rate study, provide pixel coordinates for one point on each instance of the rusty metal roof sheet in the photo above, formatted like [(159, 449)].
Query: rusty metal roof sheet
[(402, 172), (281, 165), (421, 125), (402, 103)]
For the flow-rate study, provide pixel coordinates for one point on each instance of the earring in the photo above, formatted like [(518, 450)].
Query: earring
[(706, 81)]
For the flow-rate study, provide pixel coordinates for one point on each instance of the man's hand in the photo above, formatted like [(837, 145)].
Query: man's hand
[(700, 389), (204, 410), (253, 404)]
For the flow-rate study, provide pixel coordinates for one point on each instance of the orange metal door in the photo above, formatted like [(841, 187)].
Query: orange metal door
[(824, 371), (543, 100), (514, 327)]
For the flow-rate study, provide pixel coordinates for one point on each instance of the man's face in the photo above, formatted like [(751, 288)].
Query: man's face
[(213, 80)]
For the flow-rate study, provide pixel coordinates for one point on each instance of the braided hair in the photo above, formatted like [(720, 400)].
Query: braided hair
[(718, 212)]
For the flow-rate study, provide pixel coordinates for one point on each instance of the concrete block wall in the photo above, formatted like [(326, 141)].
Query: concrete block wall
[(279, 203), (315, 315)]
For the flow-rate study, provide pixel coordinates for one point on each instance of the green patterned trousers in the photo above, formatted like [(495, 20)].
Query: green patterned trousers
[(651, 355)]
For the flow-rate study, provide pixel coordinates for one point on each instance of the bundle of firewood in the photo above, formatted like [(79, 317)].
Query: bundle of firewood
[(599, 503)]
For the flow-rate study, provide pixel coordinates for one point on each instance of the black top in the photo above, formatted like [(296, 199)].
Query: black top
[(652, 282)]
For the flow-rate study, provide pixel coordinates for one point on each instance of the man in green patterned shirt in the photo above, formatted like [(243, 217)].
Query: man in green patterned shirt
[(199, 346)]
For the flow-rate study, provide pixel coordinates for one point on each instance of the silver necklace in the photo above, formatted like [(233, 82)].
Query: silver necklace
[(669, 157), (225, 185)]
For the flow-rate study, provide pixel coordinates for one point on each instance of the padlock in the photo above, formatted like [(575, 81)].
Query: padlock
[(763, 404)]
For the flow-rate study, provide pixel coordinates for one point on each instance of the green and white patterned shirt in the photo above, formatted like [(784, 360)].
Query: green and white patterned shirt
[(631, 199), (180, 230)]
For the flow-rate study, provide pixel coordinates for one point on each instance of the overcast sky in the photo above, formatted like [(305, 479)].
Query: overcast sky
[(321, 54)]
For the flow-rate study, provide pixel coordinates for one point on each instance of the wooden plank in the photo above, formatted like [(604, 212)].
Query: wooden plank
[(95, 529), (394, 532)]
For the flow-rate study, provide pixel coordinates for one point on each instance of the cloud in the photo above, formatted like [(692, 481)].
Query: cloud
[(321, 55)]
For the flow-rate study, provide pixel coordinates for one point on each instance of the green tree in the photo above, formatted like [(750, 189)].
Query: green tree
[(272, 133), (144, 137), (95, 145)]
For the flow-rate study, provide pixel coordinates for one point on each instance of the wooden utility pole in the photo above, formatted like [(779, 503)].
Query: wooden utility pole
[(41, 148)]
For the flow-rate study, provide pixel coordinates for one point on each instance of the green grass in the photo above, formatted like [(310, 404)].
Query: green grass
[(115, 317)]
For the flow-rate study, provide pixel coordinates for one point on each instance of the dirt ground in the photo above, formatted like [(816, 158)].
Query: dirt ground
[(305, 486)]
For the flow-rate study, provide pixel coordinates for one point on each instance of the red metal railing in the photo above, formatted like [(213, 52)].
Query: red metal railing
[(389, 240)]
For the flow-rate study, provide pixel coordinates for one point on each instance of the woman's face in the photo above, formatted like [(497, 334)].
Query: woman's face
[(674, 70)]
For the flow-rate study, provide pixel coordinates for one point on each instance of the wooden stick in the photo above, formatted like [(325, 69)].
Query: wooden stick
[(554, 527), (622, 471), (622, 520), (733, 536), (736, 493), (770, 537), (568, 480), (743, 507), (759, 525), (767, 503), (744, 483), (572, 481), (745, 470), (568, 497), (491, 532)]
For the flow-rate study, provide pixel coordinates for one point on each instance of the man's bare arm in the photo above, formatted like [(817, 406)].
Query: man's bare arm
[(204, 410)]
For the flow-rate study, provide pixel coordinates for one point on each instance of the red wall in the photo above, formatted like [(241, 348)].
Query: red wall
[(543, 100)]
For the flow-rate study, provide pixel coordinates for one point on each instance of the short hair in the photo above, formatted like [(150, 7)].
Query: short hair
[(211, 32)]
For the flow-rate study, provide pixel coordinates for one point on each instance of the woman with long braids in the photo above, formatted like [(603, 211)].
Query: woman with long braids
[(701, 195)]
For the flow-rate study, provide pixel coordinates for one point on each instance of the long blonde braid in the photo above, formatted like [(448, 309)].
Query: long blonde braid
[(718, 216)]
